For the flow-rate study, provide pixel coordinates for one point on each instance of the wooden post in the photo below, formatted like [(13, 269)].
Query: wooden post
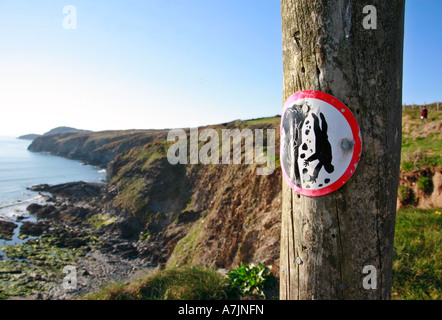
[(340, 246)]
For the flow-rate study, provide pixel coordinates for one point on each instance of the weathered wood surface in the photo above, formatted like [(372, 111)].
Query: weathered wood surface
[(327, 241)]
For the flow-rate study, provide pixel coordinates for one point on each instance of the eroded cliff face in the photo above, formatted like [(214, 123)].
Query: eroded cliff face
[(240, 220), (212, 215), (423, 198)]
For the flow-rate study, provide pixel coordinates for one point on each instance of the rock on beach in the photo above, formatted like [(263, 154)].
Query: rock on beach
[(7, 229)]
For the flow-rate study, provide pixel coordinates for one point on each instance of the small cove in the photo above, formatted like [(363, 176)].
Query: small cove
[(20, 169)]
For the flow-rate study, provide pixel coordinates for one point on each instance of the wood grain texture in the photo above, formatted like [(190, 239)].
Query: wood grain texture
[(326, 241)]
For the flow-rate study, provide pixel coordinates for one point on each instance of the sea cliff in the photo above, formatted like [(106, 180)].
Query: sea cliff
[(94, 148)]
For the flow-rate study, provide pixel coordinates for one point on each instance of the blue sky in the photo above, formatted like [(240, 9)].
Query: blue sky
[(165, 63), (422, 52)]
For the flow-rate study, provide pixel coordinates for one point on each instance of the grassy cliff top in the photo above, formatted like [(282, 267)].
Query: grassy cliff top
[(421, 140)]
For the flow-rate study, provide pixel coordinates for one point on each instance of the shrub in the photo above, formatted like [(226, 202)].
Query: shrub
[(425, 184), (250, 279), (405, 194)]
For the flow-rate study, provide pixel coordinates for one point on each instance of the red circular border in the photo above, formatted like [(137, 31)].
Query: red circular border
[(357, 148)]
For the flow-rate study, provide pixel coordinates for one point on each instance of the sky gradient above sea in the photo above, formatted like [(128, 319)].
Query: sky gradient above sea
[(166, 64)]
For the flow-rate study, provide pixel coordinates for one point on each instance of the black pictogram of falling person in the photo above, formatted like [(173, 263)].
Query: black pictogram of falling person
[(323, 150)]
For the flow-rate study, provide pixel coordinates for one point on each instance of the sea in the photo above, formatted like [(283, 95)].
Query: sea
[(21, 169)]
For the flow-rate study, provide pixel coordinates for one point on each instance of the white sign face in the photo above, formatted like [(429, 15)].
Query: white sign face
[(320, 143)]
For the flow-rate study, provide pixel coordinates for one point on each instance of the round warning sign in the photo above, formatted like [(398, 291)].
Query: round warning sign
[(320, 143)]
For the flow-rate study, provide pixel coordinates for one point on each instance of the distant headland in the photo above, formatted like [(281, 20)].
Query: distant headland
[(54, 131)]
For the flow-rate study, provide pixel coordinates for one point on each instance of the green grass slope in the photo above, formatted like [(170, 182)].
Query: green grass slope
[(421, 140)]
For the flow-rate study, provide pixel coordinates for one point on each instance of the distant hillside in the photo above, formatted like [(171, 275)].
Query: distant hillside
[(94, 148), (57, 130), (435, 106), (31, 136)]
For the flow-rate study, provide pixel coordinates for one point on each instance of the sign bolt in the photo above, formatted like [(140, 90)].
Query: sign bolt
[(346, 144)]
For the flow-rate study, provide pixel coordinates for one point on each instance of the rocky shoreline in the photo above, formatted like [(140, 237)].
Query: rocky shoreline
[(76, 227)]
